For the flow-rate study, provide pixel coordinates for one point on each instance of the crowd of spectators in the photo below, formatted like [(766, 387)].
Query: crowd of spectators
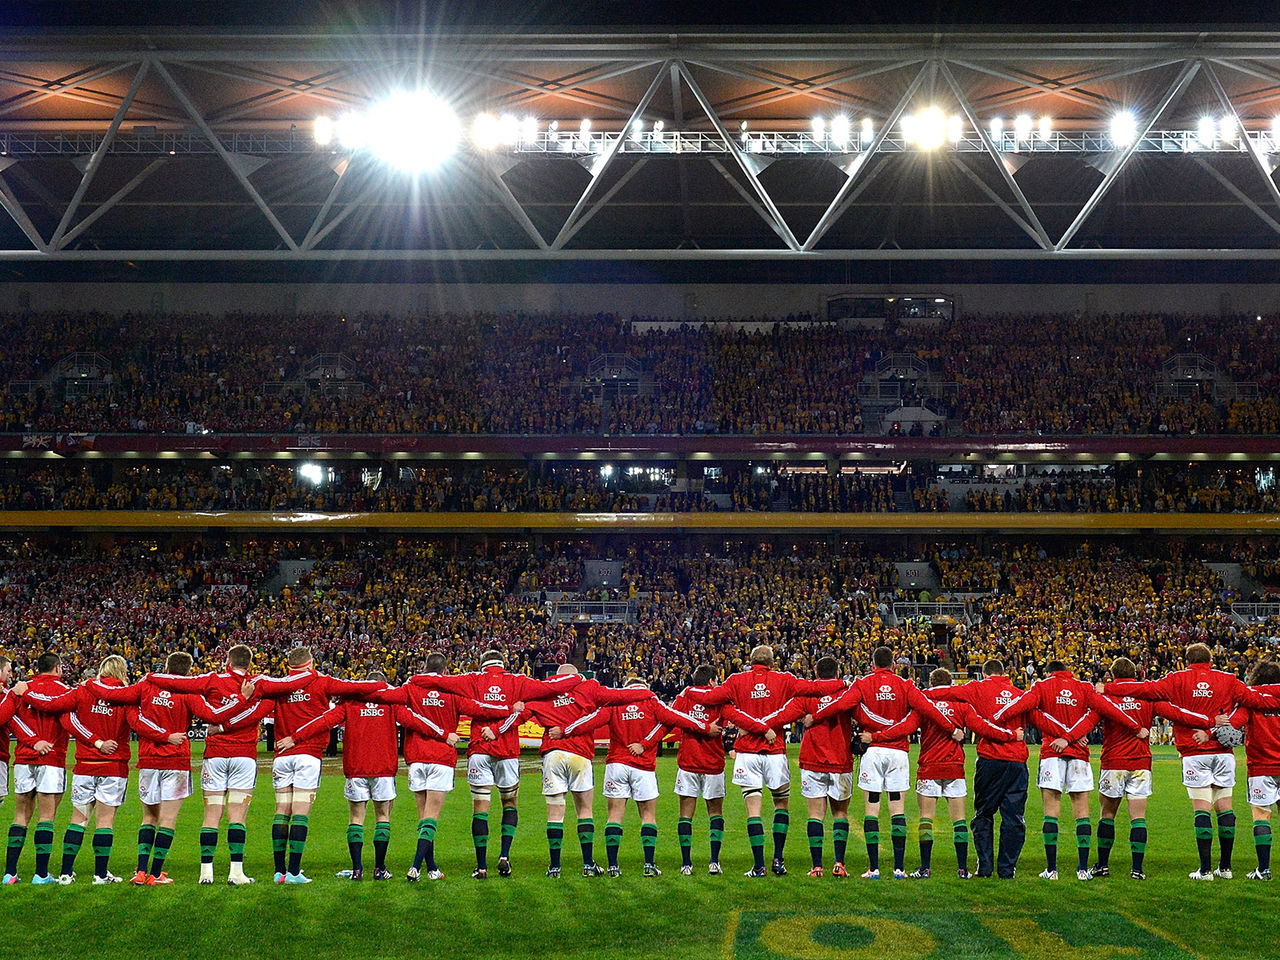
[(532, 373)]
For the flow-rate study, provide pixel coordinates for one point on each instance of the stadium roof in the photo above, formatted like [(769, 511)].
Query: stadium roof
[(134, 144)]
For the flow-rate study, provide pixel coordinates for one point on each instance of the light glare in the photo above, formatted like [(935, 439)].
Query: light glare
[(1206, 130), (324, 131), (1227, 129), (484, 131), (931, 129), (413, 131), (868, 130), (1022, 127), (840, 130), (1046, 127), (1124, 129)]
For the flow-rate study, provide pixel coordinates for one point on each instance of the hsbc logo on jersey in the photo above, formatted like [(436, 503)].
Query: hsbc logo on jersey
[(300, 697), (699, 712), (433, 699), (103, 708), (1006, 697), (1066, 697), (760, 692), (1128, 703), (885, 692), (945, 709), (632, 711), (1202, 689), (564, 701), (162, 699), (373, 710)]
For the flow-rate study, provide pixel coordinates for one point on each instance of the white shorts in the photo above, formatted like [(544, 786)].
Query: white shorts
[(4, 780), (883, 769), (38, 778), (220, 774), (1065, 776), (834, 786), (1125, 783), (708, 786), (108, 791), (623, 782), (950, 789), (564, 772), (158, 786), (754, 771), (430, 776), (1209, 770), (364, 789), (486, 771), (1264, 791), (298, 772)]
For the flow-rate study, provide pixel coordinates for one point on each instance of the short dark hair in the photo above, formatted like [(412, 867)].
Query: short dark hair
[(993, 668), (299, 656), (882, 657), (48, 662), (1122, 668), (827, 668), (178, 663), (940, 678), (1054, 666), (1264, 671), (493, 655), (1199, 653), (239, 657), (703, 674), (436, 663)]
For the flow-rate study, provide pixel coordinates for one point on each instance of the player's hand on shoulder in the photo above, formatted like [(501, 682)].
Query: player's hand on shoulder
[(1100, 686), (246, 689), (20, 687)]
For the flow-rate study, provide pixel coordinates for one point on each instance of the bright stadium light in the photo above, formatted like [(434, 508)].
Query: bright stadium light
[(1124, 128), (819, 127), (553, 131), (324, 131), (868, 130), (931, 129), (955, 129), (312, 473), (352, 131), (637, 130), (658, 127), (1046, 127), (1022, 127), (997, 129), (1227, 129), (910, 128), (413, 131), (484, 131), (508, 129), (529, 130), (1206, 130), (840, 130)]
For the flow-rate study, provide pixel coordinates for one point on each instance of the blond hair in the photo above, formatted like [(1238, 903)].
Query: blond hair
[(114, 667)]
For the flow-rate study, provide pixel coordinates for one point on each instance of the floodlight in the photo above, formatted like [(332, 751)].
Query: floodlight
[(1046, 127), (637, 130), (352, 130), (840, 130), (931, 129), (413, 131), (997, 129), (1206, 130), (868, 130), (585, 126), (819, 127), (485, 133), (1227, 129), (1022, 127), (1124, 128), (529, 130), (312, 473), (955, 129), (324, 131), (508, 129)]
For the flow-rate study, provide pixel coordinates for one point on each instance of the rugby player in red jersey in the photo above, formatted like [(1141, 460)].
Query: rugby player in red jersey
[(758, 692), (1126, 771), (700, 771), (1209, 767), (1262, 754)]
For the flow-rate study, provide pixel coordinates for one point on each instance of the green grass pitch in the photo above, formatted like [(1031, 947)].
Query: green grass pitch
[(693, 917)]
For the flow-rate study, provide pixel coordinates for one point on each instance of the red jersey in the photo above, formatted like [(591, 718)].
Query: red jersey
[(1121, 748), (1067, 708), (440, 708), (761, 691), (941, 756), (567, 707), (496, 687), (90, 719), (824, 748), (885, 699), (1262, 736), (698, 754), (159, 714), (987, 697), (300, 698), (1200, 689), (34, 725), (369, 748), (8, 707), (219, 689), (642, 722)]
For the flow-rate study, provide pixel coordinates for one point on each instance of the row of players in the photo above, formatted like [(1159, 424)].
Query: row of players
[(1206, 707)]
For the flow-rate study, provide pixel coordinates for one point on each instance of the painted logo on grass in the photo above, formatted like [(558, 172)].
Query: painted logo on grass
[(944, 935)]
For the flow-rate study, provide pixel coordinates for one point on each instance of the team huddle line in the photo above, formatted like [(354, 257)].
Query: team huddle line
[(1212, 712)]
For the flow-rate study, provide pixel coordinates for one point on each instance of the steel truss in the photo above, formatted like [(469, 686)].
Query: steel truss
[(128, 114)]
